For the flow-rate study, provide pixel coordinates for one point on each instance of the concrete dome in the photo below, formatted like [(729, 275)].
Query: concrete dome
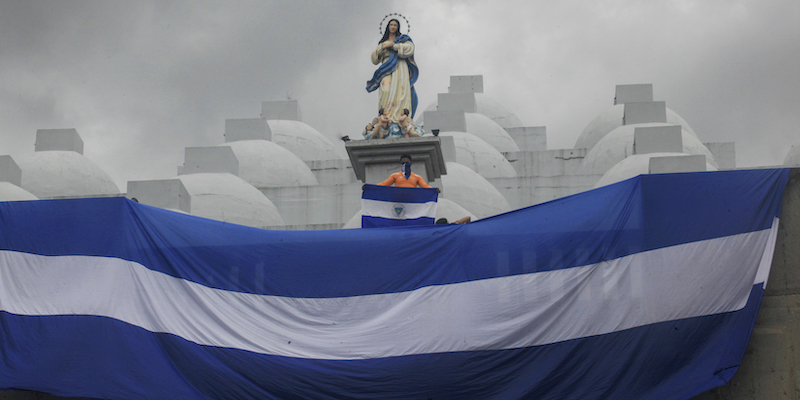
[(226, 197), (635, 165), (612, 119), (618, 145), (12, 192), (793, 157), (488, 130), (56, 173), (265, 164), (488, 106), (444, 209), (480, 157), (302, 140), (468, 189)]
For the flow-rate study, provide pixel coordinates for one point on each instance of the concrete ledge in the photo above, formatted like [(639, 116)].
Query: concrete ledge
[(657, 139), (671, 164), (529, 138), (10, 171), (425, 151), (163, 193), (457, 101), (637, 93), (58, 139), (466, 84), (210, 159), (283, 109), (247, 129), (449, 120), (638, 113)]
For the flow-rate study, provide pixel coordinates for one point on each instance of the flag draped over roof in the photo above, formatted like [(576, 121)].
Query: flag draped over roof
[(645, 289), (383, 206)]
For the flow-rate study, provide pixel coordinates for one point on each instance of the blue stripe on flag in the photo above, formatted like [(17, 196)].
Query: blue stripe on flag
[(398, 194)]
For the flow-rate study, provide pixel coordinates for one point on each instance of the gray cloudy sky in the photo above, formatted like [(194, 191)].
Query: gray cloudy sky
[(141, 81)]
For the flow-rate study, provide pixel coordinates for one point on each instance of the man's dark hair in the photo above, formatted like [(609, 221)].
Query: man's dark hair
[(380, 112), (405, 156), (441, 221), (405, 111)]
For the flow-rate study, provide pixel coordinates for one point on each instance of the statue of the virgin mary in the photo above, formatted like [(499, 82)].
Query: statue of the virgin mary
[(398, 72)]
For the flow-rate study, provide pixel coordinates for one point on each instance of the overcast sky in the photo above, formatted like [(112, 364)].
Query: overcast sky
[(141, 81)]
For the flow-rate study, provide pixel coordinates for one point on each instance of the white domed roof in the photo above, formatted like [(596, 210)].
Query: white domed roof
[(488, 130), (612, 119), (444, 209), (56, 173), (226, 197), (472, 191), (618, 144), (488, 106), (793, 157), (265, 164), (635, 165), (480, 157), (12, 192), (302, 140)]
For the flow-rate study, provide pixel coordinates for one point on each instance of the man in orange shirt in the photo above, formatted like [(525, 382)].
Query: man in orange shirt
[(405, 178)]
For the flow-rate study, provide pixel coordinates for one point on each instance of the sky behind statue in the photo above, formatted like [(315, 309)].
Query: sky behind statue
[(141, 81)]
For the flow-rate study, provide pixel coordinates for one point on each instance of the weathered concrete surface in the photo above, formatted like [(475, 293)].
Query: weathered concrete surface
[(769, 368)]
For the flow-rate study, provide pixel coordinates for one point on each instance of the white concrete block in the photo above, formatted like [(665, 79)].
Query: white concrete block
[(687, 163), (283, 109), (247, 129), (457, 102), (210, 159), (333, 172), (10, 171), (448, 148), (638, 113), (163, 193), (529, 138), (724, 154), (657, 139), (451, 120), (637, 93), (546, 163), (466, 83), (58, 139)]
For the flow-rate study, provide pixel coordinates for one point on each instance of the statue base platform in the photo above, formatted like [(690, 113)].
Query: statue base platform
[(374, 160)]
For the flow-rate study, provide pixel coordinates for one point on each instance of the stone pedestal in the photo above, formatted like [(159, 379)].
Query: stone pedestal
[(374, 160)]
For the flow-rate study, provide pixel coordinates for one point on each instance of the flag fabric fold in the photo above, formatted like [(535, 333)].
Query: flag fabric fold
[(644, 289)]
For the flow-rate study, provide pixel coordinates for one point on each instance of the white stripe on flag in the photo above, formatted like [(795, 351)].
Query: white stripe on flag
[(385, 209), (689, 280)]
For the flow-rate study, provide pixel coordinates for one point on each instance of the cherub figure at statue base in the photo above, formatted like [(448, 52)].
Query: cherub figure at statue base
[(379, 128), (382, 127), (407, 127)]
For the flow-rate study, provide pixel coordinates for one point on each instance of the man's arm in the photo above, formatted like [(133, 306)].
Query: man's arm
[(388, 182), (421, 182)]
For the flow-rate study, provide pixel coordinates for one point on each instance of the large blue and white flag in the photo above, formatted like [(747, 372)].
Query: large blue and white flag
[(646, 289), (383, 206)]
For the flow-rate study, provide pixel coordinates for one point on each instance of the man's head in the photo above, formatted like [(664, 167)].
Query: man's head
[(405, 111), (405, 158), (380, 112)]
